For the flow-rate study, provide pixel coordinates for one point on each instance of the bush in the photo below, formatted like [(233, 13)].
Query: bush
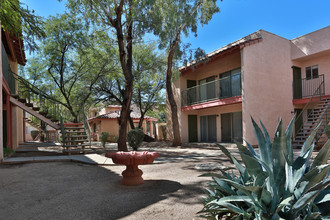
[(34, 134), (113, 138), (7, 151), (271, 184), (104, 137), (164, 133), (135, 138)]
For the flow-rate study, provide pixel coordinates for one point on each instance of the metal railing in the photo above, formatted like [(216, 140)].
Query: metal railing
[(218, 89), (8, 74), (316, 96), (306, 87), (323, 121)]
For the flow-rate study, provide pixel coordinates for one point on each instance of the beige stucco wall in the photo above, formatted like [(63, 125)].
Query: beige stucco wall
[(203, 112), (312, 43), (1, 122), (213, 68), (266, 84)]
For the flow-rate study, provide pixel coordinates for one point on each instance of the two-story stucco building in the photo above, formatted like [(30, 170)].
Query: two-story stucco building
[(262, 75)]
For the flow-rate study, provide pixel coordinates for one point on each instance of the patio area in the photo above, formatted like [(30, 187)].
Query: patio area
[(68, 190)]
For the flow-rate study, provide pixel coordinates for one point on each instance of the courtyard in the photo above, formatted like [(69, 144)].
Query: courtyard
[(172, 188)]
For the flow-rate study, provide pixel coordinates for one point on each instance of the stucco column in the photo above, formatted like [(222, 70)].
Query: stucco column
[(1, 124)]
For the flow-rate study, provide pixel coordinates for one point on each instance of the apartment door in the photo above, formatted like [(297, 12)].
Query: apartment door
[(231, 127), (297, 86), (192, 128), (207, 89), (225, 85), (208, 128), (191, 92)]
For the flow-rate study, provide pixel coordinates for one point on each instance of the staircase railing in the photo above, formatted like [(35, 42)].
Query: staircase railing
[(87, 128), (323, 121), (317, 94)]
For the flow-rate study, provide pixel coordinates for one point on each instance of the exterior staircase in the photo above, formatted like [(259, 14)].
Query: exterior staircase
[(319, 115), (75, 139), (26, 96)]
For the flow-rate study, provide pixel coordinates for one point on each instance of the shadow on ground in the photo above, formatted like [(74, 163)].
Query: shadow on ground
[(74, 191)]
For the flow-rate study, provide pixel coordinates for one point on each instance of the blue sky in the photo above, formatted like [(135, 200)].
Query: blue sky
[(238, 18)]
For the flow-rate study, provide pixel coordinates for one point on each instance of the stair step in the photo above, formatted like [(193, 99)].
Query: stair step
[(76, 141), (80, 132), (74, 128), (75, 136), (77, 145)]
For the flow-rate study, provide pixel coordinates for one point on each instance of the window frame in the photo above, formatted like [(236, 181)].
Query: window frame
[(310, 71)]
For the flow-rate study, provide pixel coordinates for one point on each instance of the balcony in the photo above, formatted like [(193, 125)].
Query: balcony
[(225, 87), (6, 71), (308, 87)]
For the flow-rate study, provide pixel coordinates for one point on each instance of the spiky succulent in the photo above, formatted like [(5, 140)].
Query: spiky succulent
[(272, 183)]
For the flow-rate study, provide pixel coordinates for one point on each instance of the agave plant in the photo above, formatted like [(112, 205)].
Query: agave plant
[(271, 183)]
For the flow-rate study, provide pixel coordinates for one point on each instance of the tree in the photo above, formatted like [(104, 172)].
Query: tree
[(15, 18), (169, 20), (124, 18), (71, 61), (148, 68)]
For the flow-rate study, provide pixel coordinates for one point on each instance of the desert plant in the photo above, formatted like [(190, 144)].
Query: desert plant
[(271, 184), (104, 138), (135, 138), (34, 134)]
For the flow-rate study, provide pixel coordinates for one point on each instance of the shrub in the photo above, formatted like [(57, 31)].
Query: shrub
[(7, 151), (34, 134), (135, 138), (113, 138), (104, 137), (271, 184), (164, 133)]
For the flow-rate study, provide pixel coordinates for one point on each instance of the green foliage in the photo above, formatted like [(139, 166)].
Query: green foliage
[(104, 137), (113, 138), (327, 130), (271, 184), (135, 138), (18, 20), (7, 151)]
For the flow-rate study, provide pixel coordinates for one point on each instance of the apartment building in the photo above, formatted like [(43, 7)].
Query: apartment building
[(263, 76)]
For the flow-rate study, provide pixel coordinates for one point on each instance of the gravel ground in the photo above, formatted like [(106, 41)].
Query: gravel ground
[(172, 187)]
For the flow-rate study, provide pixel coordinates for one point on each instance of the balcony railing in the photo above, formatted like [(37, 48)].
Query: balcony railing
[(218, 89), (6, 71), (308, 87)]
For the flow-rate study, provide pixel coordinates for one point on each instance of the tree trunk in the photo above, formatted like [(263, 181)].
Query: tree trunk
[(174, 110), (124, 118)]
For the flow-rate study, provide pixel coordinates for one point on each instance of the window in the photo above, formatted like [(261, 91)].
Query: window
[(207, 89), (312, 72), (230, 83)]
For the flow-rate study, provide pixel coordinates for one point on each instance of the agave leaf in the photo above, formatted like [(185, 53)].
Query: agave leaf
[(224, 186), (261, 179), (309, 196), (289, 181), (285, 202), (228, 205), (264, 147), (246, 191), (314, 176), (323, 197), (323, 155), (240, 168), (289, 131), (279, 154), (251, 164), (251, 149), (309, 141), (266, 197)]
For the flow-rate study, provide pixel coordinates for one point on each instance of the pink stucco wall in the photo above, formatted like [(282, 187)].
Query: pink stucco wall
[(266, 84)]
